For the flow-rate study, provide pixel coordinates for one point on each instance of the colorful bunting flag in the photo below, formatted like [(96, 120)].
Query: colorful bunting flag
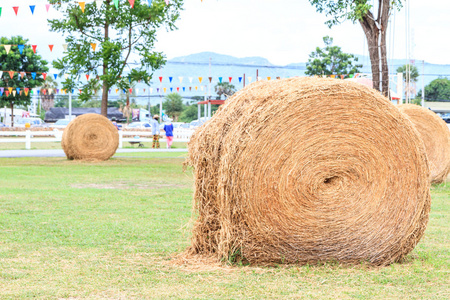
[(0, 11), (93, 45), (33, 75), (165, 90), (160, 79), (181, 79), (210, 79), (10, 89), (21, 48), (190, 79), (230, 78), (149, 2), (34, 48), (7, 48), (87, 76), (16, 9), (55, 75), (26, 91), (82, 5), (47, 6), (65, 47), (249, 79), (22, 74), (44, 75), (116, 3), (11, 74), (240, 79), (51, 47), (131, 3), (99, 3), (167, 2), (200, 79), (171, 89), (1, 74), (170, 79), (32, 7), (14, 93), (268, 78), (220, 79)]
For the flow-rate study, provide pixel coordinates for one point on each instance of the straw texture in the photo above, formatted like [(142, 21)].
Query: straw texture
[(303, 170), (435, 136), (90, 137)]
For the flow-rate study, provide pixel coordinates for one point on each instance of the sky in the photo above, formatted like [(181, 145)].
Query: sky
[(282, 31)]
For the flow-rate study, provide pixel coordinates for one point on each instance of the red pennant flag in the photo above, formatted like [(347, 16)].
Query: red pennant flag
[(26, 91), (230, 78), (44, 91), (178, 89), (131, 90), (51, 47), (7, 93), (44, 75), (11, 74), (131, 3), (160, 79), (79, 91), (16, 9), (87, 76), (34, 48)]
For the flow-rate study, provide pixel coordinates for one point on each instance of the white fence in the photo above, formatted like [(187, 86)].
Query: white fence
[(28, 136)]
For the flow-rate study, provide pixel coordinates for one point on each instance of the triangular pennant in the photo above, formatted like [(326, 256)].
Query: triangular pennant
[(16, 9), (14, 93), (117, 90), (66, 76), (1, 74), (268, 78), (165, 90), (0, 11), (151, 90), (240, 79), (51, 47), (220, 79), (116, 3), (65, 47), (190, 79), (171, 89), (178, 89), (210, 79), (22, 74), (44, 91), (87, 76), (10, 89), (11, 74), (44, 75), (7, 48), (131, 90), (201, 88), (32, 7), (26, 91), (93, 45), (184, 89), (34, 48), (180, 78), (249, 79), (157, 90), (229, 79), (33, 75), (200, 79), (21, 48), (167, 2), (131, 3), (190, 88), (170, 79), (55, 75), (160, 79), (7, 93), (196, 88), (82, 5), (18, 90), (149, 2), (99, 3), (47, 6)]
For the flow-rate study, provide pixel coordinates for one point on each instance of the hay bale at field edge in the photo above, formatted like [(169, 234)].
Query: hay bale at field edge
[(90, 137), (435, 135), (304, 170)]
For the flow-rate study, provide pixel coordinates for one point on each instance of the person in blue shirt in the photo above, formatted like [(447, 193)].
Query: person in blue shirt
[(155, 131), (168, 128)]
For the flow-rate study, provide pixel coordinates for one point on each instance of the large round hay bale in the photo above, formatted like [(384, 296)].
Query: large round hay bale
[(304, 170), (435, 135), (90, 137)]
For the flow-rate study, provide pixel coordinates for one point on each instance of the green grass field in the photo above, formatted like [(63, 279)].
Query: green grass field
[(109, 230)]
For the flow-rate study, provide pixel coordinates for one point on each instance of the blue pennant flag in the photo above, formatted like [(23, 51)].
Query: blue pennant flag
[(38, 91), (33, 74), (21, 48), (171, 89), (170, 79), (240, 79), (18, 90), (55, 75), (149, 2), (184, 89), (32, 9), (72, 91), (220, 79)]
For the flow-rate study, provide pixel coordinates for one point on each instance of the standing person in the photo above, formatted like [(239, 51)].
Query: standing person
[(155, 131), (168, 128)]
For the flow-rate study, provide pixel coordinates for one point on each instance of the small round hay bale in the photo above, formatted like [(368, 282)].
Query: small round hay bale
[(435, 135), (90, 137), (304, 170)]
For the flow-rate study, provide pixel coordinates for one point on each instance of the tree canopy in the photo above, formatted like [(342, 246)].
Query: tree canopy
[(224, 88), (173, 105), (331, 60), (437, 90), (102, 39), (410, 77), (21, 71), (374, 22)]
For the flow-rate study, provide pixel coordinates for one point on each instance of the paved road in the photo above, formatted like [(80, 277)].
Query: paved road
[(60, 153)]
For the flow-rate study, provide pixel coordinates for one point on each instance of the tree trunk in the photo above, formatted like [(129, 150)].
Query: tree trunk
[(371, 32), (12, 114)]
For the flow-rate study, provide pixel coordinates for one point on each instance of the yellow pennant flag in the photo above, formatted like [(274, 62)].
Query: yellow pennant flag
[(10, 89), (200, 79), (117, 90), (7, 48), (93, 45), (333, 76), (196, 88), (165, 89), (268, 78), (82, 4)]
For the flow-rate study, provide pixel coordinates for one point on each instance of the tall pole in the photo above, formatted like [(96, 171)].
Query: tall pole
[(423, 83), (70, 105), (257, 74), (244, 80)]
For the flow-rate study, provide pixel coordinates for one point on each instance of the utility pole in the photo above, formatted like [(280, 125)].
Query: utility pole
[(423, 83)]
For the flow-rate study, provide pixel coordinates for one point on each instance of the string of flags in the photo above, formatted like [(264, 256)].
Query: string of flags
[(82, 5), (11, 91), (34, 47)]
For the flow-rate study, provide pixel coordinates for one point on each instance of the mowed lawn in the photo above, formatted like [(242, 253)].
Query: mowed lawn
[(109, 230)]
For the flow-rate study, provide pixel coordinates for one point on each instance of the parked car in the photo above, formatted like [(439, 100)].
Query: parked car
[(34, 122), (139, 125), (61, 123)]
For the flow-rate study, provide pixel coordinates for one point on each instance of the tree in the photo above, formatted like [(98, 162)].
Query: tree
[(116, 30), (331, 60), (48, 97), (173, 105), (410, 77), (374, 27), (437, 90), (190, 113), (26, 67), (224, 88)]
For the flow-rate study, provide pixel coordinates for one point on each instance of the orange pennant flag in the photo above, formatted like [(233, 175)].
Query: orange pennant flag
[(82, 4), (268, 78), (87, 76), (342, 76), (93, 45), (11, 74), (117, 90), (200, 79), (34, 48), (22, 74), (44, 75), (26, 91), (196, 88), (51, 47)]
